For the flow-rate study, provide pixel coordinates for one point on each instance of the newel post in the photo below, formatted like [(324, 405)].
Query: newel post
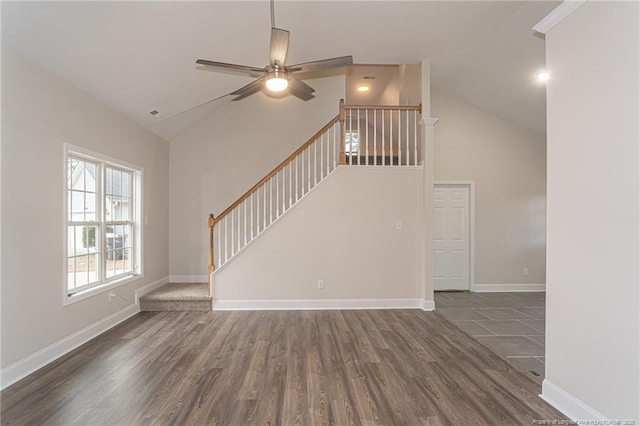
[(342, 160), (212, 267)]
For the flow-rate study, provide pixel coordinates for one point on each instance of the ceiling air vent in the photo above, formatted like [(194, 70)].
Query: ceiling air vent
[(369, 77), (155, 113)]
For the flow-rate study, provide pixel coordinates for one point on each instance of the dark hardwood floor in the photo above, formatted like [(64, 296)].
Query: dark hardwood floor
[(393, 367)]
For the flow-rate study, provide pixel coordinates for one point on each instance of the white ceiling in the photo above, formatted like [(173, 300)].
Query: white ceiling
[(139, 56)]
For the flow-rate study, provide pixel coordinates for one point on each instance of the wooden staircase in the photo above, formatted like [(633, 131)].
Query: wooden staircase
[(385, 136), (178, 297)]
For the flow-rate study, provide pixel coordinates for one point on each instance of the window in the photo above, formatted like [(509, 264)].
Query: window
[(351, 140), (102, 222)]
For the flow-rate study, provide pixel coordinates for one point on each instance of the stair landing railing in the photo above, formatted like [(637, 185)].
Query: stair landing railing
[(358, 135)]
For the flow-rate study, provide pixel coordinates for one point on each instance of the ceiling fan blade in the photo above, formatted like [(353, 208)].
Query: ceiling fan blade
[(279, 45), (322, 64), (252, 87), (248, 90), (299, 89), (252, 71)]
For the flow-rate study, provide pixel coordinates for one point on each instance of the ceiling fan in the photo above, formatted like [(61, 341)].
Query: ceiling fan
[(278, 77)]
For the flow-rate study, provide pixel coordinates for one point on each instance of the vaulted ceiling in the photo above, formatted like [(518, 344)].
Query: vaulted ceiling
[(139, 56)]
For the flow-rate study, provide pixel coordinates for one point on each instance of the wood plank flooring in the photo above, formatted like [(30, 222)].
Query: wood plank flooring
[(392, 367)]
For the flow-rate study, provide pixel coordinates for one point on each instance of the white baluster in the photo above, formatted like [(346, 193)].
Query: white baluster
[(335, 155), (407, 132), (233, 242), (239, 226), (309, 169), (321, 156), (399, 141), (277, 196), (366, 145), (219, 248), (328, 151), (375, 142), (296, 159), (251, 217), (391, 136), (226, 244), (290, 185), (382, 118), (415, 135), (270, 200)]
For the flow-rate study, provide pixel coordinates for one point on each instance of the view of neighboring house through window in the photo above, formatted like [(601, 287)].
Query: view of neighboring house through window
[(351, 140), (101, 222)]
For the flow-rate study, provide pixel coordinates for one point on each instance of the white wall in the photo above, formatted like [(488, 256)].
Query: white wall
[(592, 334), (216, 161), (343, 232), (508, 165), (39, 114)]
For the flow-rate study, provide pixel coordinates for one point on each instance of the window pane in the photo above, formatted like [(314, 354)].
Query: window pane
[(90, 207), (71, 241), (83, 262), (119, 187), (76, 212), (108, 181), (81, 183), (126, 184), (90, 176), (351, 140), (71, 274), (119, 250)]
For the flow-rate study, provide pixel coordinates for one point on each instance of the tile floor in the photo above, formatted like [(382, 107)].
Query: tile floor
[(510, 324)]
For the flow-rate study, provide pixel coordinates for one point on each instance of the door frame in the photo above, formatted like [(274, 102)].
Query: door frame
[(471, 185)]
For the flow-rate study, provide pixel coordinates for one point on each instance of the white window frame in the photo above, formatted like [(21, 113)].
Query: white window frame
[(102, 223)]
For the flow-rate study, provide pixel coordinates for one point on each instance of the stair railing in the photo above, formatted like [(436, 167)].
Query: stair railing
[(358, 135), (382, 135), (259, 207)]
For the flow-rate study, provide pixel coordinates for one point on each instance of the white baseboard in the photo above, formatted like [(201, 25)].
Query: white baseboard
[(149, 288), (428, 305), (316, 304), (28, 365), (493, 288), (568, 404), (188, 279)]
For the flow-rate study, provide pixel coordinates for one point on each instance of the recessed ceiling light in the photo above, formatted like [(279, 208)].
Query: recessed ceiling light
[(543, 76), (363, 88), (155, 113)]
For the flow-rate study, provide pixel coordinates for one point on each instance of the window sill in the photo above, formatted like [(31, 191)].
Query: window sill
[(94, 291)]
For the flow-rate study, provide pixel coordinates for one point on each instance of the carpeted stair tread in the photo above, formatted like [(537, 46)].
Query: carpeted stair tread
[(177, 297)]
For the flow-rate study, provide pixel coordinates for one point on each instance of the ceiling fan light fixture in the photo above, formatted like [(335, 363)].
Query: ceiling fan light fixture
[(543, 76), (277, 81)]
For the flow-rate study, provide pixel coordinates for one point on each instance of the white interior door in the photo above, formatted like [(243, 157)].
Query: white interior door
[(451, 237)]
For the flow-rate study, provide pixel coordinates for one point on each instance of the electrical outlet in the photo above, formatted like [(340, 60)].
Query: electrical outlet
[(525, 272), (320, 284), (399, 225), (112, 296)]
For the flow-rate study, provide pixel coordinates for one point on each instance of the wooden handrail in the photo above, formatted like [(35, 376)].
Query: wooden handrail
[(341, 160), (277, 168), (388, 107)]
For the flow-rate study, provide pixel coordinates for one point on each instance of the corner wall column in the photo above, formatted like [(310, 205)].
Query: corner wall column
[(426, 127)]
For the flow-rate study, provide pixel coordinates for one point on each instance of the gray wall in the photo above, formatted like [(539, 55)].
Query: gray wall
[(593, 110), (39, 114), (508, 165), (216, 161)]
